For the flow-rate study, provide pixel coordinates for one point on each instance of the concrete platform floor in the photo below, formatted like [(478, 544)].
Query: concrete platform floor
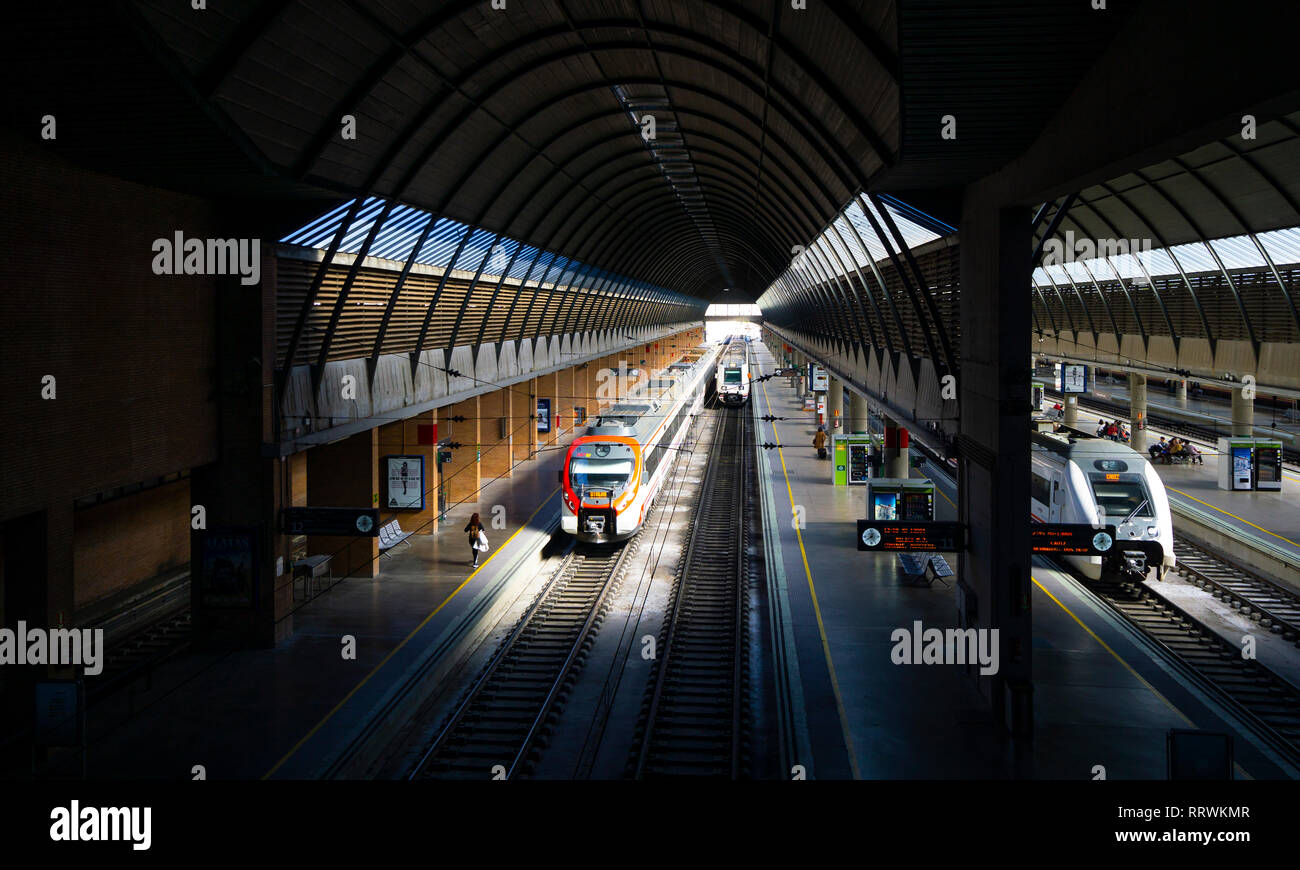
[(287, 711), (1101, 697)]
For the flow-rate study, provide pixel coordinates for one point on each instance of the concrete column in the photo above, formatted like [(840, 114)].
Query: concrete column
[(1243, 415), (896, 450), (1137, 415), (495, 452), (346, 474), (993, 591), (835, 406), (1180, 393), (461, 474), (859, 417), (1070, 417), (523, 428)]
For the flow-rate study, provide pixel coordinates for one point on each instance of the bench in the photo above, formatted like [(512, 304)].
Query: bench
[(310, 569), (923, 568), (391, 534)]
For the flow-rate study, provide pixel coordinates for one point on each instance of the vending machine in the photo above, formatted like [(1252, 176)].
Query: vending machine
[(1268, 464), (902, 500), (851, 453), (1236, 463)]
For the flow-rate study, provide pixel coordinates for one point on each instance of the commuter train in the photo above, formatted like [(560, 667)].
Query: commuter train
[(614, 470), (1079, 478), (733, 377)]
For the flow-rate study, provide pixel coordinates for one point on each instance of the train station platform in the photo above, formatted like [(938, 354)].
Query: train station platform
[(1270, 517), (1102, 698), (292, 712), (1215, 412)]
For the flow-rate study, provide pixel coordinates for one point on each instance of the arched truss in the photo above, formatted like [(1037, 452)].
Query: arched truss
[(522, 120), (1220, 221), (874, 279)]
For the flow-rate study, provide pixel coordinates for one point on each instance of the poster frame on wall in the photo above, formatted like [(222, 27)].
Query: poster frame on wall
[(392, 465), (240, 548), (543, 415)]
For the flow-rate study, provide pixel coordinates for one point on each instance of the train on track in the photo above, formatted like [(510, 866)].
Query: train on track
[(733, 379), (615, 469), (1079, 478)]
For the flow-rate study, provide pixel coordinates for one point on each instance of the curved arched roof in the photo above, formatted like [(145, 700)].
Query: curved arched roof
[(527, 120)]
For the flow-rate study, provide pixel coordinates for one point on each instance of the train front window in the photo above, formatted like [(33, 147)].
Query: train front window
[(610, 474), (731, 376), (1121, 501)]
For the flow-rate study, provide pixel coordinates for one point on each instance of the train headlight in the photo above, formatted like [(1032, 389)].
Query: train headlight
[(1152, 531)]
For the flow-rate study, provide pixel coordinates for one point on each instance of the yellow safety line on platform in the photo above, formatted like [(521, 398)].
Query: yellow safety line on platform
[(1170, 704), (1234, 516), (821, 627), (1117, 656), (405, 640)]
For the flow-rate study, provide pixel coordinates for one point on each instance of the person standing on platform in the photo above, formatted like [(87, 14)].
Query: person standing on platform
[(475, 529), (819, 441)]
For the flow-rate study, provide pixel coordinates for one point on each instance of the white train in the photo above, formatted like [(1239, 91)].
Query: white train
[(1084, 479), (733, 376), (614, 470)]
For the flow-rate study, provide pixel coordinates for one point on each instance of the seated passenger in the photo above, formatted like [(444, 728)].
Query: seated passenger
[(1158, 449), (1101, 429), (1175, 451), (1192, 453)]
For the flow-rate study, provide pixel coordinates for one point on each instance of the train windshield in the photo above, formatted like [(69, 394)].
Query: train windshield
[(601, 473), (1121, 501), (731, 376)]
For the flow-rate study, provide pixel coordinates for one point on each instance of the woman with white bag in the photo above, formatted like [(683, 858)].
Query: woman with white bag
[(478, 542)]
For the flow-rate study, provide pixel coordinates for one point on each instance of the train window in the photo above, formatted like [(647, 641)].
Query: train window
[(731, 376), (601, 472), (1040, 488), (1110, 465), (1118, 499)]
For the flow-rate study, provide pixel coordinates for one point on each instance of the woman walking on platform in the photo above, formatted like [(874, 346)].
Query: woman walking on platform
[(475, 529)]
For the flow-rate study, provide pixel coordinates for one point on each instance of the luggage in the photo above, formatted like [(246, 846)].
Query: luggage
[(482, 543)]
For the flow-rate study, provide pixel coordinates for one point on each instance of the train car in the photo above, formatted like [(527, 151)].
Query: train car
[(615, 469), (1077, 478), (733, 378)]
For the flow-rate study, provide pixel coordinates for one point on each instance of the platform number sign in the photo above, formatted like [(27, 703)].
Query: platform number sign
[(404, 476)]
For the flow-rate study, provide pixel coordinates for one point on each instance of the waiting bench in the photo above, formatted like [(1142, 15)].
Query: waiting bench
[(391, 535), (924, 568)]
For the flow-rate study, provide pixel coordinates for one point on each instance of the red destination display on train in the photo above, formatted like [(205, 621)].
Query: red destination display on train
[(1071, 539), (918, 537)]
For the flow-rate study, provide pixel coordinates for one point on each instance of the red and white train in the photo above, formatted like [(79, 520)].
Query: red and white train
[(614, 470)]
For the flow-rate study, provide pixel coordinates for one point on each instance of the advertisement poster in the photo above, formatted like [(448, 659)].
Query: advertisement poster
[(405, 477), (228, 568), (543, 415), (1074, 378)]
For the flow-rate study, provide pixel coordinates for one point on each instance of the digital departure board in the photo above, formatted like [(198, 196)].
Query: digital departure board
[(902, 537), (1071, 539)]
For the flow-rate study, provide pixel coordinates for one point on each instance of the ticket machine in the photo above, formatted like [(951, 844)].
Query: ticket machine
[(1250, 463)]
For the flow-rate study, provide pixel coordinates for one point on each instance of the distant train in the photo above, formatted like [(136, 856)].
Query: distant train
[(733, 377), (613, 471), (1079, 478)]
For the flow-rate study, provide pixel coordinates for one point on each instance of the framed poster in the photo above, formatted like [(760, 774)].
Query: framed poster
[(405, 483), (228, 566), (820, 380), (1074, 378), (60, 713), (543, 415)]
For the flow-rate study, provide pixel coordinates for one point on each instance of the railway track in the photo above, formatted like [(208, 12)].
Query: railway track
[(1274, 607), (498, 723), (153, 628), (1271, 702), (693, 721)]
